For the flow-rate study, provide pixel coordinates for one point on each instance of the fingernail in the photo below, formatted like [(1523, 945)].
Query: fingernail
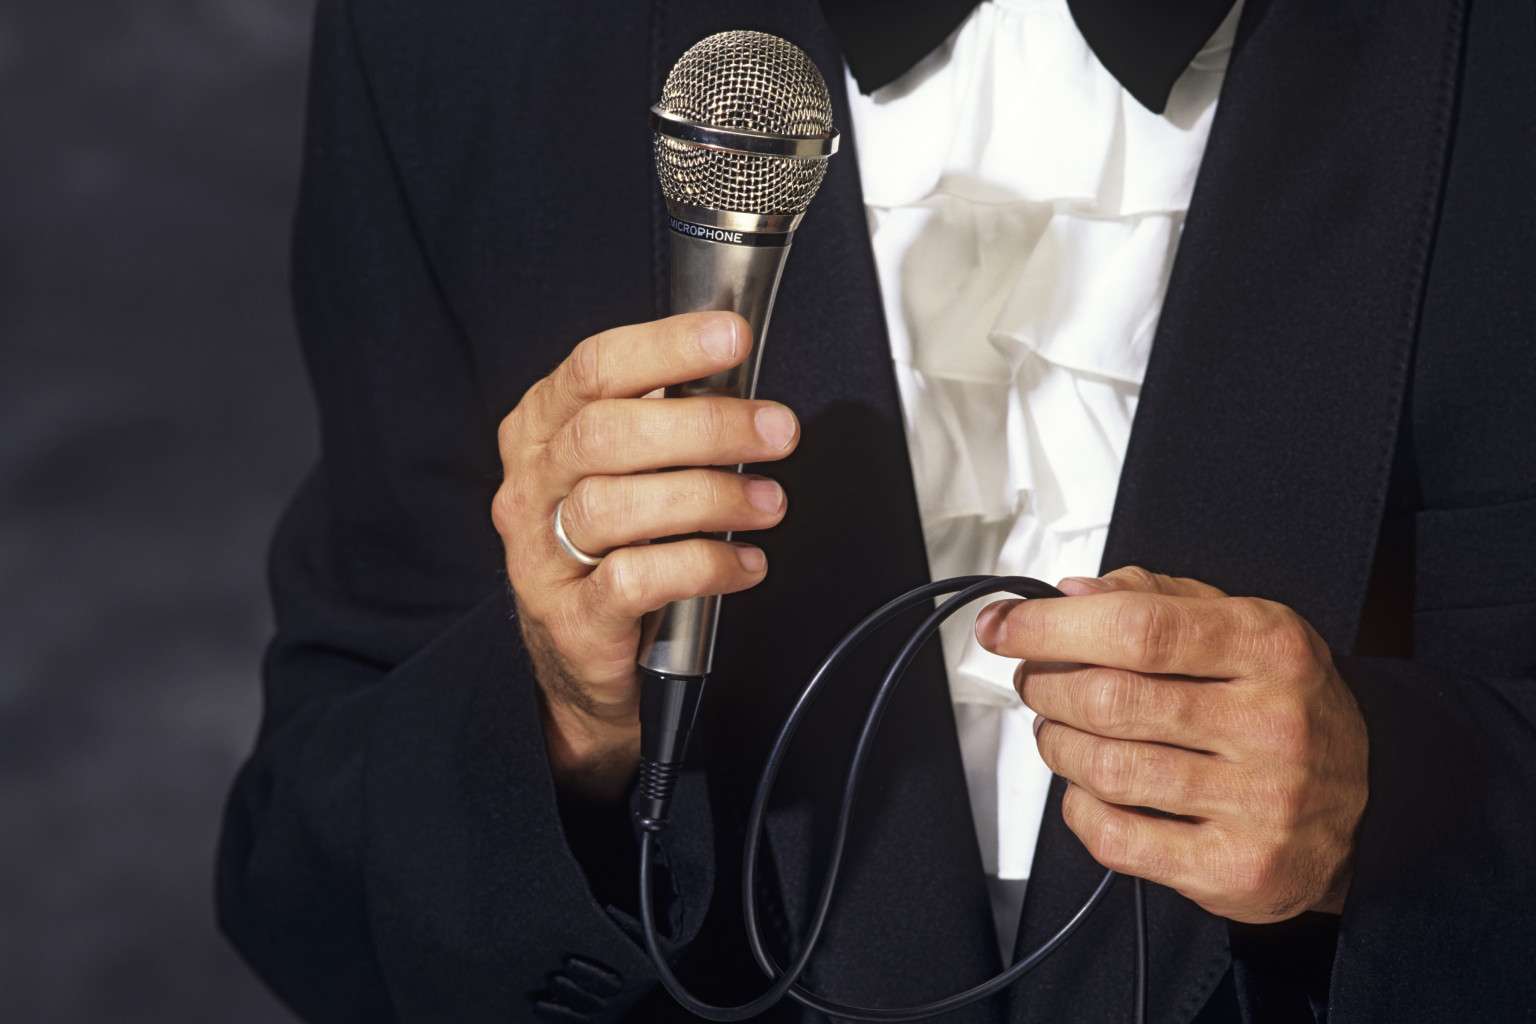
[(1076, 586), (776, 425), (765, 495), (751, 559), (1039, 722), (718, 338), (990, 621)]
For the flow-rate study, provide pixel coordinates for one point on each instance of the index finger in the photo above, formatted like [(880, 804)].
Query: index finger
[(1134, 577), (1156, 633), (630, 361)]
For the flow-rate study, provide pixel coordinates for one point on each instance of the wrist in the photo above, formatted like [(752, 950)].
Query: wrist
[(591, 758)]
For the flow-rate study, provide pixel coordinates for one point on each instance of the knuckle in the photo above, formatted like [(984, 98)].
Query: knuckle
[(1292, 639), (507, 432), (1107, 702), (505, 508), (695, 565), (1112, 842), (1113, 768), (1149, 630), (710, 490), (582, 510), (588, 434), (527, 406), (621, 582), (717, 565), (1139, 578), (1283, 637), (678, 337), (584, 368)]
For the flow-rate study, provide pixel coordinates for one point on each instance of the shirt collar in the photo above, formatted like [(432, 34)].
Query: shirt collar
[(1146, 45)]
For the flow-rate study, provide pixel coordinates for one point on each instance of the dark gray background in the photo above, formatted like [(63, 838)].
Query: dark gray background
[(153, 417)]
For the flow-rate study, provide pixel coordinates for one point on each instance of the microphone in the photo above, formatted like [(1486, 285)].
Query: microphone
[(741, 138), (742, 134)]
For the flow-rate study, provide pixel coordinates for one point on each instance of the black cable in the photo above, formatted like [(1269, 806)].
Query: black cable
[(964, 589)]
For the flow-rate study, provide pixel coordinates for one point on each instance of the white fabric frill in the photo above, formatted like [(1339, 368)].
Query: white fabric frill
[(1024, 211)]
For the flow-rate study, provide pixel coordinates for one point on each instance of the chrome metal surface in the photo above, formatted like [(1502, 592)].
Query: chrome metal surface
[(758, 223), (733, 90), (679, 640), (566, 544), (739, 140), (748, 82)]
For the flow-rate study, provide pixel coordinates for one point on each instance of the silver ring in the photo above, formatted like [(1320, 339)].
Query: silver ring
[(565, 542)]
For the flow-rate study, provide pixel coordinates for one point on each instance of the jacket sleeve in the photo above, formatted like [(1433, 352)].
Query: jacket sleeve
[(1438, 924), (393, 849)]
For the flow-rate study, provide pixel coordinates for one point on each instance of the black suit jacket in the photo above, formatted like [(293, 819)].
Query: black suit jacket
[(1337, 415)]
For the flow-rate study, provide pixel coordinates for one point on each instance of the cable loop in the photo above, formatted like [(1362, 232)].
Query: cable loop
[(964, 590)]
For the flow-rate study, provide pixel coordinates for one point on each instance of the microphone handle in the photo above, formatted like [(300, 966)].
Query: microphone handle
[(738, 272)]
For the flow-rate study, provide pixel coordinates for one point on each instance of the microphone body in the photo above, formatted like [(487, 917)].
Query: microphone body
[(728, 262), (741, 137)]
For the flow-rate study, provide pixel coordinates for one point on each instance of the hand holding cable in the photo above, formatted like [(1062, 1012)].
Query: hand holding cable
[(1226, 714)]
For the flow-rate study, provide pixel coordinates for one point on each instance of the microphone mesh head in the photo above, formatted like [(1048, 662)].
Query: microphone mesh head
[(754, 81)]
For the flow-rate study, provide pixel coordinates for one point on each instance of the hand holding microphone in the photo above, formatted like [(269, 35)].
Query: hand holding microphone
[(586, 439), (741, 137)]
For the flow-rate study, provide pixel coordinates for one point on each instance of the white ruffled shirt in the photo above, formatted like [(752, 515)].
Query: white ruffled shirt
[(1024, 210)]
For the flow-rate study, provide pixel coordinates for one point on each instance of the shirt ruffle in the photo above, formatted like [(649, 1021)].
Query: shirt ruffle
[(1027, 247), (1024, 211)]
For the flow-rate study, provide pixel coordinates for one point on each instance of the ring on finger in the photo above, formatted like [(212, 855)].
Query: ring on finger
[(566, 543)]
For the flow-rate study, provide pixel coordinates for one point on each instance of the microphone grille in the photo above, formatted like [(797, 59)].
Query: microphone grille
[(753, 81)]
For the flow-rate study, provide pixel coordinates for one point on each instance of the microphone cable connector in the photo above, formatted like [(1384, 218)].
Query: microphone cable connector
[(668, 706)]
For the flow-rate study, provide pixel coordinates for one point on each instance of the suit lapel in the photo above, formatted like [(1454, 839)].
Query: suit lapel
[(1264, 438), (911, 919)]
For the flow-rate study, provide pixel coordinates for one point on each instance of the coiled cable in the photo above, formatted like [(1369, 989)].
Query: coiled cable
[(661, 778)]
